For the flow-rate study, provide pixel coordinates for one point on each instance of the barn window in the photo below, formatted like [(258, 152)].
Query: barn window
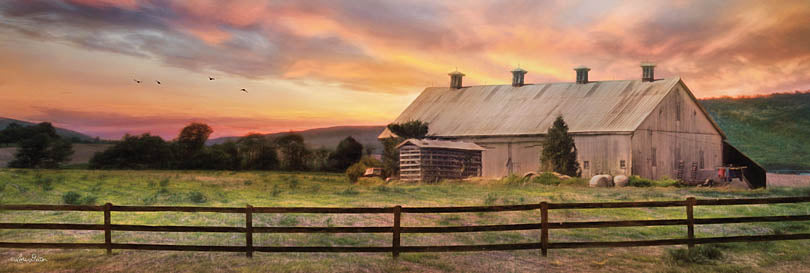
[(702, 161), (653, 157), (586, 164), (622, 164)]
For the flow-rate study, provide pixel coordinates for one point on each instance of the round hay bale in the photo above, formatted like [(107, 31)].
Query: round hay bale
[(601, 181), (620, 180)]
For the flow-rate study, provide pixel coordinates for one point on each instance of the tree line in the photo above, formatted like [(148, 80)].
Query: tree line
[(250, 152), (38, 146)]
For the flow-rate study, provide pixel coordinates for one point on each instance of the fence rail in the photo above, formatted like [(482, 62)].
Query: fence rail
[(396, 229)]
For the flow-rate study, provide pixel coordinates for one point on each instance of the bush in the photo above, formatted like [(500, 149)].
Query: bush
[(702, 254), (547, 178), (72, 198), (197, 197), (355, 171), (88, 200), (636, 181)]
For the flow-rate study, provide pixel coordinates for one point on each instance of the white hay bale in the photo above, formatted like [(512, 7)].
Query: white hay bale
[(601, 181), (620, 180)]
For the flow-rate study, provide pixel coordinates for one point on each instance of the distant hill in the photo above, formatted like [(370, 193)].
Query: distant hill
[(65, 133), (329, 137), (774, 130)]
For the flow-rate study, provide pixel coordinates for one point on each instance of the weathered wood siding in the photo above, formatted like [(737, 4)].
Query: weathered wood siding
[(677, 130), (604, 154)]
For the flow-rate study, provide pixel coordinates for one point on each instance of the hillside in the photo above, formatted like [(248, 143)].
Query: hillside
[(330, 137), (65, 133), (773, 130)]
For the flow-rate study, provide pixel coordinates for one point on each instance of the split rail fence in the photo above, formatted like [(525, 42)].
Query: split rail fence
[(396, 229)]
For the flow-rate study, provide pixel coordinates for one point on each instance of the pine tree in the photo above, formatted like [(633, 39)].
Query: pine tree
[(559, 150)]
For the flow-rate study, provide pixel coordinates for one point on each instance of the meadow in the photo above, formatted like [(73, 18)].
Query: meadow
[(227, 188)]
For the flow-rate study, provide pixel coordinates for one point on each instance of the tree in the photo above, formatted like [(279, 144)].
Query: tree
[(293, 152), (348, 152), (11, 134), (559, 151), (134, 152), (192, 138), (402, 131), (411, 129), (258, 152), (40, 147)]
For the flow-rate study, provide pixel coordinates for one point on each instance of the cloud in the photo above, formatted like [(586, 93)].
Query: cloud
[(397, 46)]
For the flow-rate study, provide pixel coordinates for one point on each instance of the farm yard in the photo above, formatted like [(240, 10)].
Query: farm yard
[(279, 189)]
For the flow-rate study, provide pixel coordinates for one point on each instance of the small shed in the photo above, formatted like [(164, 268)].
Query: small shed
[(431, 160)]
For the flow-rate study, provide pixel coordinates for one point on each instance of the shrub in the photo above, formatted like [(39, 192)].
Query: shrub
[(355, 171), (71, 198), (88, 200), (702, 254), (636, 181), (197, 197), (547, 178)]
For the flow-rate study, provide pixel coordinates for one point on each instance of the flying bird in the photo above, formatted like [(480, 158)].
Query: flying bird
[(243, 90), (210, 78), (158, 82), (137, 81)]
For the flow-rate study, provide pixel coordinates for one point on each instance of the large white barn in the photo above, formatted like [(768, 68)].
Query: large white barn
[(649, 127)]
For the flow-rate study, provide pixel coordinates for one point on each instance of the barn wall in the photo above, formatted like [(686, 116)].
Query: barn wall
[(677, 130), (603, 153), (525, 154)]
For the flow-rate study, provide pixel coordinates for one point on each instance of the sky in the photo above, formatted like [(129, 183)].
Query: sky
[(310, 64)]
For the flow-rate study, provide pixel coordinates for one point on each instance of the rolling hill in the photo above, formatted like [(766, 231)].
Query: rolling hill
[(329, 137), (773, 130), (65, 133)]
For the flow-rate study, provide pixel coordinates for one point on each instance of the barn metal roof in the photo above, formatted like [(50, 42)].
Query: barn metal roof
[(506, 110), (443, 144)]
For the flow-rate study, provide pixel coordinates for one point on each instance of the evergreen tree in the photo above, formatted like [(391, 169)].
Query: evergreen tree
[(348, 152), (40, 147), (559, 150)]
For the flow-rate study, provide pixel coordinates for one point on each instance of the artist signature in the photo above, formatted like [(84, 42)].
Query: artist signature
[(27, 260)]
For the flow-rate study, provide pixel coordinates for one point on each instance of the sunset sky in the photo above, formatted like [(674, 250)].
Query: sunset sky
[(309, 64)]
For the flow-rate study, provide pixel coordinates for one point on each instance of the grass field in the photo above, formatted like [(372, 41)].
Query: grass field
[(225, 188)]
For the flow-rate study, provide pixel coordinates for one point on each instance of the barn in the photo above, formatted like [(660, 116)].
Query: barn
[(650, 127)]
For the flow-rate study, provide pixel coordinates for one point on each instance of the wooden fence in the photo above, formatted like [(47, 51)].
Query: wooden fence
[(396, 229)]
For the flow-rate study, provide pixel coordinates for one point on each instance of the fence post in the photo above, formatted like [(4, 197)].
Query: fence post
[(690, 203), (249, 231), (395, 240), (544, 228), (107, 229)]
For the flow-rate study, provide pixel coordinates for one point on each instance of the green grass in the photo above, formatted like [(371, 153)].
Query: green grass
[(237, 189), (772, 129)]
